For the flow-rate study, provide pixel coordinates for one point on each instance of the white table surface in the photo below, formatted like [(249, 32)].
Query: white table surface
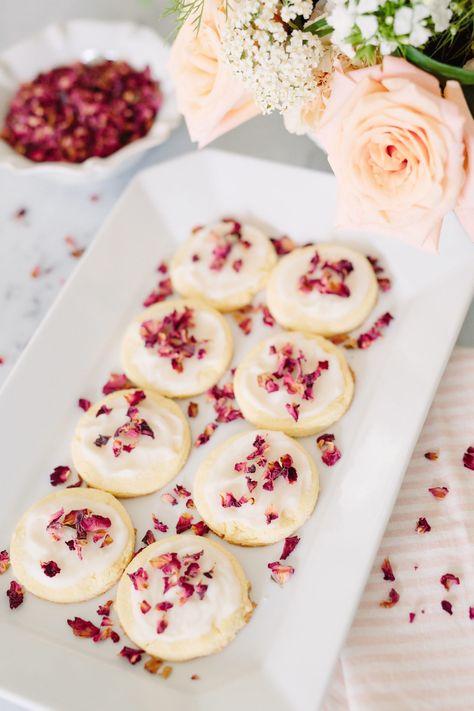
[(55, 211)]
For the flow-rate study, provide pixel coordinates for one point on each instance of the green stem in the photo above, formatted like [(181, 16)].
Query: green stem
[(445, 71)]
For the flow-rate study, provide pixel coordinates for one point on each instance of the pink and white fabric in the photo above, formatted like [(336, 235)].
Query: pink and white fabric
[(390, 663)]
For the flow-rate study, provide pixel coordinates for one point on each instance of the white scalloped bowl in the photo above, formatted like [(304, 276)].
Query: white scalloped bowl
[(86, 40)]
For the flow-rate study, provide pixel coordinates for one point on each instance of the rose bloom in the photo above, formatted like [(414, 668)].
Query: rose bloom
[(402, 153), (211, 99)]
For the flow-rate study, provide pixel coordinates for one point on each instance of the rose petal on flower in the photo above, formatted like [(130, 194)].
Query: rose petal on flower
[(193, 409), (393, 598), (15, 595), (4, 561), (117, 381), (59, 475), (423, 526), (139, 579), (184, 523), (280, 573), (448, 580), (83, 628), (439, 492), (50, 568), (387, 571), (447, 606), (84, 404), (131, 655), (468, 458), (159, 525)]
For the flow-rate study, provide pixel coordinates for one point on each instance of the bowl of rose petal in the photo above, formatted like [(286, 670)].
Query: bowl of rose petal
[(83, 98)]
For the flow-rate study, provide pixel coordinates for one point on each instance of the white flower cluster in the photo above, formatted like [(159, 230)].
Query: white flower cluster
[(386, 24), (268, 49)]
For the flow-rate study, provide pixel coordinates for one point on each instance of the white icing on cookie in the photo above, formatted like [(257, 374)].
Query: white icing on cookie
[(327, 399), (33, 544), (212, 352), (150, 464), (200, 620), (309, 309), (292, 500), (223, 264)]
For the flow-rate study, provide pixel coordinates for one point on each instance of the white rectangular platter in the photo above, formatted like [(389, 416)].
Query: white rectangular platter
[(283, 659)]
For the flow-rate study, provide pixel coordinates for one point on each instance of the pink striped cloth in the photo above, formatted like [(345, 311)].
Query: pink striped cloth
[(388, 663)]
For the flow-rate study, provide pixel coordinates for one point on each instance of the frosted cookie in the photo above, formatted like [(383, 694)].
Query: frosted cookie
[(183, 597), (326, 289), (178, 348), (72, 545), (131, 443), (256, 488), (294, 382), (225, 264)]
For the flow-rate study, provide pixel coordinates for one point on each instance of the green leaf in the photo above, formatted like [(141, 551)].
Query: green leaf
[(445, 71), (320, 28)]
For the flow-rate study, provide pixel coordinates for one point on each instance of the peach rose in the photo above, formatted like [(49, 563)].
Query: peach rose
[(210, 98), (402, 153)]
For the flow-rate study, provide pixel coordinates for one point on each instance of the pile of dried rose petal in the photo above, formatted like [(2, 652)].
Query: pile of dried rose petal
[(74, 112)]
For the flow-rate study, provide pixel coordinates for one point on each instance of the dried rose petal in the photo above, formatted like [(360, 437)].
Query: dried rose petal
[(326, 277), (184, 523), (101, 441), (206, 434), (195, 677), (36, 271), (135, 397), (365, 340), (51, 568), (145, 607), (59, 475), (76, 484), (423, 526), (471, 613), (166, 673), (289, 546), (200, 528), (117, 381), (384, 282), (448, 580), (281, 573), (468, 458), (83, 628), (15, 595), (246, 325), (283, 245), (293, 410), (180, 491), (173, 337), (162, 625), (411, 617), (447, 606), (74, 112), (159, 525), (153, 664), (223, 399), (193, 409), (393, 598), (439, 492), (387, 571), (4, 561), (432, 456), (162, 291), (148, 538), (84, 404), (330, 452), (189, 504), (131, 655), (270, 514), (169, 499), (139, 579), (103, 410), (104, 610)]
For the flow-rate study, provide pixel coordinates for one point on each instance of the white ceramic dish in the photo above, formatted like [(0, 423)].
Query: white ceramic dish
[(283, 659), (87, 40)]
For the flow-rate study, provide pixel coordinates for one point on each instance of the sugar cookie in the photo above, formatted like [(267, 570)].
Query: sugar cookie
[(72, 545), (178, 348), (327, 289), (183, 597), (294, 382), (225, 264), (256, 487), (131, 443)]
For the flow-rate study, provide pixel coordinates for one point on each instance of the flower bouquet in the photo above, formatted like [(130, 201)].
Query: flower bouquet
[(378, 83)]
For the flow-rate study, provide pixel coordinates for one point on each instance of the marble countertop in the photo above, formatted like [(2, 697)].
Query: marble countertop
[(39, 218)]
